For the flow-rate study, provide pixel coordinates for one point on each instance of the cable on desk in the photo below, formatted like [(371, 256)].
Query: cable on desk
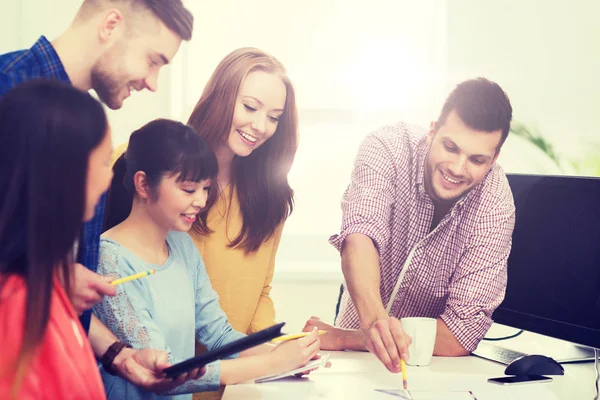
[(596, 356), (495, 339)]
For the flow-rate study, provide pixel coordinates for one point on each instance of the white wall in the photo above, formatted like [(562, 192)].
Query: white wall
[(20, 27), (381, 54), (10, 33), (543, 53)]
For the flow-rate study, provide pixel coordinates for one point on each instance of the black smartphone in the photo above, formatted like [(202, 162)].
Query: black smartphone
[(231, 348), (517, 380)]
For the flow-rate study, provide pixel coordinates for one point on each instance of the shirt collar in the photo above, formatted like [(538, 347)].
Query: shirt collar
[(422, 150), (50, 62)]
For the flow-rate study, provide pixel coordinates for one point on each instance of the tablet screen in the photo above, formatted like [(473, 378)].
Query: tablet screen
[(225, 351)]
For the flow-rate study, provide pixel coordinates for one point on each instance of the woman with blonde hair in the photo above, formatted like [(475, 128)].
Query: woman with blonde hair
[(247, 114)]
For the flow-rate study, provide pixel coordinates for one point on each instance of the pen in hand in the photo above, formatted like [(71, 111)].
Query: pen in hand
[(132, 277), (285, 338), (404, 381)]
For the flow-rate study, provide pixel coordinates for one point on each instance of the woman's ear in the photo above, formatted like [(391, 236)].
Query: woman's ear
[(140, 182)]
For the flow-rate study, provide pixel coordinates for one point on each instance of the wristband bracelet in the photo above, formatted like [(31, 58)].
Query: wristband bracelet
[(109, 357)]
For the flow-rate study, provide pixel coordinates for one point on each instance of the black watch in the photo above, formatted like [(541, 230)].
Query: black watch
[(108, 357)]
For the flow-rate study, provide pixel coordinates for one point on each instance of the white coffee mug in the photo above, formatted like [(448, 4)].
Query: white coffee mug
[(422, 331)]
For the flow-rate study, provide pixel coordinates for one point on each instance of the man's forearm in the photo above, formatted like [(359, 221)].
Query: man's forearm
[(446, 343), (352, 339), (100, 337), (360, 265)]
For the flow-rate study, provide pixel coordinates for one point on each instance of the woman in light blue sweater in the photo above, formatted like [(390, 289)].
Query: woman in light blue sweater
[(161, 185)]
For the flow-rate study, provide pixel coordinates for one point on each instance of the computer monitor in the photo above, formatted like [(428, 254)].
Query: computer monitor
[(554, 264)]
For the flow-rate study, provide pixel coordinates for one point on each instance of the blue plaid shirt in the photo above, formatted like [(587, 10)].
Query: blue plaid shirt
[(41, 61)]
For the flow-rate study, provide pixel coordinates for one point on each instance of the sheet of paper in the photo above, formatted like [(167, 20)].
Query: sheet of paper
[(429, 394), (314, 364)]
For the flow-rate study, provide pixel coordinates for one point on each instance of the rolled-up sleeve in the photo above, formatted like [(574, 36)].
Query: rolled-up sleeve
[(367, 201), (479, 283)]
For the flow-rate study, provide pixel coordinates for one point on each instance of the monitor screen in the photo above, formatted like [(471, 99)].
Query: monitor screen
[(554, 265)]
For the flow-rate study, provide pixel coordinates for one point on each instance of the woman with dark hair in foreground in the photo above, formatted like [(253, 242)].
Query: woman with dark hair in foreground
[(54, 166)]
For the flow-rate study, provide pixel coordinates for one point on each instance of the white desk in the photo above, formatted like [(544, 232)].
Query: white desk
[(356, 375)]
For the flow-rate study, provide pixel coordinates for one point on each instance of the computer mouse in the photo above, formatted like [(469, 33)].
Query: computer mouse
[(534, 364)]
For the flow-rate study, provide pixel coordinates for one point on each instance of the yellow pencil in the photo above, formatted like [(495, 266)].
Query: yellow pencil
[(285, 338), (132, 277), (403, 366)]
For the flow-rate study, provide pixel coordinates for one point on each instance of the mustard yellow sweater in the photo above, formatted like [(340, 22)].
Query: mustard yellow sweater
[(243, 281)]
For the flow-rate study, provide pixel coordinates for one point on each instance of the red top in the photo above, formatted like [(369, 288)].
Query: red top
[(63, 366)]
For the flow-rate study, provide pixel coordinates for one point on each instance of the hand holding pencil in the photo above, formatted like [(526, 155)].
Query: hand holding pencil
[(88, 288), (293, 354), (293, 336), (132, 277), (404, 381)]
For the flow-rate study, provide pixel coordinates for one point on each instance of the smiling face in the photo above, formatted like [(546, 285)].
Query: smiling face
[(134, 61), (459, 158), (177, 204), (259, 104)]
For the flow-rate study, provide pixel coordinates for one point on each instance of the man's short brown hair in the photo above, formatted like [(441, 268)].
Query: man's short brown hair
[(481, 104), (171, 12)]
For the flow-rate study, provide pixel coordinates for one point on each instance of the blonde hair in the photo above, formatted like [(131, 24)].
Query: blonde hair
[(266, 199)]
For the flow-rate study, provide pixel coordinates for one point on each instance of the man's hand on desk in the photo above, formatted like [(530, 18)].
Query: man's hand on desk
[(332, 340), (144, 368), (385, 338), (88, 288)]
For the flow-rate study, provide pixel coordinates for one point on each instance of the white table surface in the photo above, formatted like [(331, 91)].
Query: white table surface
[(356, 375)]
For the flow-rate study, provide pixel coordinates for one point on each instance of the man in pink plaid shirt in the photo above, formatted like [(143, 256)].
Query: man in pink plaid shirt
[(426, 231)]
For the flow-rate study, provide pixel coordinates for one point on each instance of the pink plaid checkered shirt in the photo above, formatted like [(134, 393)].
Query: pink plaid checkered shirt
[(457, 271)]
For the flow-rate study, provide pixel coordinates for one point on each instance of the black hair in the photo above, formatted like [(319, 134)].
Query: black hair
[(161, 147)]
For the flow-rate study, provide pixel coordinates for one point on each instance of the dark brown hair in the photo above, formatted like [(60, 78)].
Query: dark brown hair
[(261, 179), (48, 130), (481, 104), (161, 147)]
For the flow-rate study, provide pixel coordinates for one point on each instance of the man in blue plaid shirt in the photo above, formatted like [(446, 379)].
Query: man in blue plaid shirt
[(113, 47)]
